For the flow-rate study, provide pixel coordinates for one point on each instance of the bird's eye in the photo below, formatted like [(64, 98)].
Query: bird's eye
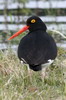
[(33, 21)]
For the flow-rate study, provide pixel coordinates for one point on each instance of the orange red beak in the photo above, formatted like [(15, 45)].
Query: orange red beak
[(19, 32)]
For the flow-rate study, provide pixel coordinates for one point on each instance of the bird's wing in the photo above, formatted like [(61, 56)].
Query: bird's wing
[(35, 49)]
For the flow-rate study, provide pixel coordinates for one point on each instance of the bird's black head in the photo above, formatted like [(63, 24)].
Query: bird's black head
[(34, 23)]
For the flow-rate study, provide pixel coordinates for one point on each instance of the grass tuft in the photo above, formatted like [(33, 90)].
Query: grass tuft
[(15, 82)]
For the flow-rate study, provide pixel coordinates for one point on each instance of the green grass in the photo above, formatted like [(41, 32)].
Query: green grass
[(16, 84)]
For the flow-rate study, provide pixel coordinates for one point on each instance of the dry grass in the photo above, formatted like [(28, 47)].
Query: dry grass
[(15, 83)]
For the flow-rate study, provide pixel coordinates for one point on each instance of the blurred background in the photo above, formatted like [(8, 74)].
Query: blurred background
[(14, 13)]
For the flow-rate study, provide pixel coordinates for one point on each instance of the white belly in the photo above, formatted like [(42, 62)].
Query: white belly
[(47, 64)]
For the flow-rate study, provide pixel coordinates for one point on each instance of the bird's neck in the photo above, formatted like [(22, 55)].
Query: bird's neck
[(37, 29)]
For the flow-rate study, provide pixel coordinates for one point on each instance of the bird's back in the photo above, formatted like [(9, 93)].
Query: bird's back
[(37, 48)]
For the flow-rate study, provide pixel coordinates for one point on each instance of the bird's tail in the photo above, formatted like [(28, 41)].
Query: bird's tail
[(35, 67)]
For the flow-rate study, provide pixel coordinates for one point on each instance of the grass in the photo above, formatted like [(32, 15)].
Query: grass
[(16, 84)]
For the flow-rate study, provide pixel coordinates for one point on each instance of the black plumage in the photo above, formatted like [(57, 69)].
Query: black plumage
[(37, 47)]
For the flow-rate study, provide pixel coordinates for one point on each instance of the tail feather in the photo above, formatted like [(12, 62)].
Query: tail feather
[(35, 67)]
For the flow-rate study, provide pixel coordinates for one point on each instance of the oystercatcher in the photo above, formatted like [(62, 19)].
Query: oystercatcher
[(38, 49)]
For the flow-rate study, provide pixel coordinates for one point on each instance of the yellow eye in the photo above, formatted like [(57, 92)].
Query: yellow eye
[(33, 21)]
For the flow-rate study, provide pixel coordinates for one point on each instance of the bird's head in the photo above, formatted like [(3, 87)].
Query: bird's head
[(33, 23)]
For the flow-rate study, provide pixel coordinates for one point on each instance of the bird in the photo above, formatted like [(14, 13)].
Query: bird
[(37, 48)]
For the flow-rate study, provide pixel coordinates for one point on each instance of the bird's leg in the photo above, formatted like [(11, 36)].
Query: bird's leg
[(30, 72), (43, 74), (44, 66)]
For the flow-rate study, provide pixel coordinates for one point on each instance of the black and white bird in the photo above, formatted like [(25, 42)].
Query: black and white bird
[(38, 49)]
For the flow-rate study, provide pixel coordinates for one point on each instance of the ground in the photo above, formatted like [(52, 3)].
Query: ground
[(15, 82)]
